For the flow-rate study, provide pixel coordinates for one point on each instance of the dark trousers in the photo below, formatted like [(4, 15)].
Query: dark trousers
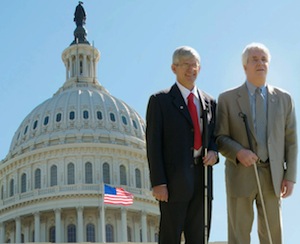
[(186, 216)]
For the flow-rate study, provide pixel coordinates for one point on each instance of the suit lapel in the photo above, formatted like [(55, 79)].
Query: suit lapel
[(272, 108), (244, 105), (179, 102)]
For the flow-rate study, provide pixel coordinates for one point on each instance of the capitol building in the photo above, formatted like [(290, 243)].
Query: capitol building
[(51, 181), (62, 154)]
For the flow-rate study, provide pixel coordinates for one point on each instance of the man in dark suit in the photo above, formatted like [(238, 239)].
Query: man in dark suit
[(177, 155)]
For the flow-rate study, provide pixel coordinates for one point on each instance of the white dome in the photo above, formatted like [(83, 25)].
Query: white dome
[(80, 112)]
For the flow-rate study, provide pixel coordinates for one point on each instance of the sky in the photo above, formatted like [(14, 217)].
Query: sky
[(136, 39)]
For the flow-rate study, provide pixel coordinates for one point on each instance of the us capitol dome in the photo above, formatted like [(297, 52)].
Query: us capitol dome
[(51, 180)]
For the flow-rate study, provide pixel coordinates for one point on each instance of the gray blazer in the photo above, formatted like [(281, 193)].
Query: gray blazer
[(281, 138)]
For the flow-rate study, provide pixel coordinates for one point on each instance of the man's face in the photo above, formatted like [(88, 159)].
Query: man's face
[(257, 66), (186, 71)]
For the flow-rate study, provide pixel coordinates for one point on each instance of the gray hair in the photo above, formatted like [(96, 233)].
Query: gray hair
[(185, 51), (251, 46)]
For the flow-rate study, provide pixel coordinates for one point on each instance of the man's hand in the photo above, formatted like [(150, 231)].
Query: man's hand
[(286, 188), (246, 157), (160, 193), (211, 158)]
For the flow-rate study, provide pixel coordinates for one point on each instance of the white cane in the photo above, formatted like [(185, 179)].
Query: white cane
[(205, 201), (244, 117)]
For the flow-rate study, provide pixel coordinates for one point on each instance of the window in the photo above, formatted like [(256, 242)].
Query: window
[(129, 234), (138, 181), (112, 117), (106, 173), (52, 234), (71, 174), (46, 120), (123, 179), (37, 179), (90, 233), (11, 187), (35, 124), (71, 233), (134, 124), (2, 193), (26, 128), (88, 173), (58, 117), (72, 115), (109, 233), (99, 115), (124, 120), (53, 175), (85, 114), (23, 183)]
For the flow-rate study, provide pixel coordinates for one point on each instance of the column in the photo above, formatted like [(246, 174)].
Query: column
[(26, 232), (18, 229), (37, 227), (58, 225), (80, 224), (102, 234), (124, 224), (2, 232), (144, 226)]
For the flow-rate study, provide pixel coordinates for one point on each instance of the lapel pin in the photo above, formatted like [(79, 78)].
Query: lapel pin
[(181, 107)]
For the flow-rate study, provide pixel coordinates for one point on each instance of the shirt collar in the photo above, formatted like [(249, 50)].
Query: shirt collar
[(252, 88), (185, 92)]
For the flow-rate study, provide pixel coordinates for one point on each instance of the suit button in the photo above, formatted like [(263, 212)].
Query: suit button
[(192, 148)]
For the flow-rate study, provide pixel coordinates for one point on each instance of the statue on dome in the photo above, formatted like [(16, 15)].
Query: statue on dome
[(79, 15)]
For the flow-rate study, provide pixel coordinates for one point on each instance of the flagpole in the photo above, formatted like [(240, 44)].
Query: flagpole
[(103, 216)]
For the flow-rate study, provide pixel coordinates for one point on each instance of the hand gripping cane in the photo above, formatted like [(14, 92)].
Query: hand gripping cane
[(244, 117)]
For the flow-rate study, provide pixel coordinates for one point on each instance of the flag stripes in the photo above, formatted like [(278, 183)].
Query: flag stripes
[(118, 196)]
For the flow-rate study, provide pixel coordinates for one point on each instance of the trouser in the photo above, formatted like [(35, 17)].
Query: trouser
[(241, 214)]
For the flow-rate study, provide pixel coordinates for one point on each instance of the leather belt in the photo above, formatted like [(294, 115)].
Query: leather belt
[(197, 160), (260, 162)]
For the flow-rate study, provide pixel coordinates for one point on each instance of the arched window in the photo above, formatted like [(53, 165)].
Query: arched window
[(99, 115), (90, 233), (58, 117), (129, 234), (138, 181), (109, 233), (26, 128), (11, 188), (88, 173), (52, 234), (124, 120), (106, 173), (72, 115), (35, 124), (134, 124), (53, 175), (112, 117), (71, 174), (2, 193), (85, 114), (71, 233), (123, 179), (23, 183), (37, 179), (46, 120)]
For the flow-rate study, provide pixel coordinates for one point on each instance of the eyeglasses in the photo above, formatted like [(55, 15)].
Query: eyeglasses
[(187, 65)]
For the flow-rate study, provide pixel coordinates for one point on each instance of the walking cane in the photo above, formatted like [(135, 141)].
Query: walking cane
[(244, 117), (205, 146)]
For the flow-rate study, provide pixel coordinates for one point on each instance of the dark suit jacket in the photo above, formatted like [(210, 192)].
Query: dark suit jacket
[(170, 140)]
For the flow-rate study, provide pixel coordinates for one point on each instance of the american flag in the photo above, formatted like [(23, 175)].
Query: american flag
[(115, 195)]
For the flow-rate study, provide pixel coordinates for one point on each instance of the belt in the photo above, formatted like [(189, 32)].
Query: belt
[(260, 162), (197, 160)]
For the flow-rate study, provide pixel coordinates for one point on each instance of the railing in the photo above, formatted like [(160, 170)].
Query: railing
[(67, 189)]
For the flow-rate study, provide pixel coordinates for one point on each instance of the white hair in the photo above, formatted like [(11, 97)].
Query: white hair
[(251, 46)]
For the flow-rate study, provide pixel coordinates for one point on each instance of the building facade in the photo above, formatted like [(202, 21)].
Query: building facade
[(51, 181)]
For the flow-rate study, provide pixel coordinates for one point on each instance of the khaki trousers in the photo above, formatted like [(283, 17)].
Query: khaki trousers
[(241, 214)]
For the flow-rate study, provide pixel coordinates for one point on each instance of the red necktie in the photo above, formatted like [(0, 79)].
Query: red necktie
[(193, 112)]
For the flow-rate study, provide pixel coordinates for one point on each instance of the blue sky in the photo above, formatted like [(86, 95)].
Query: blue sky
[(136, 39)]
